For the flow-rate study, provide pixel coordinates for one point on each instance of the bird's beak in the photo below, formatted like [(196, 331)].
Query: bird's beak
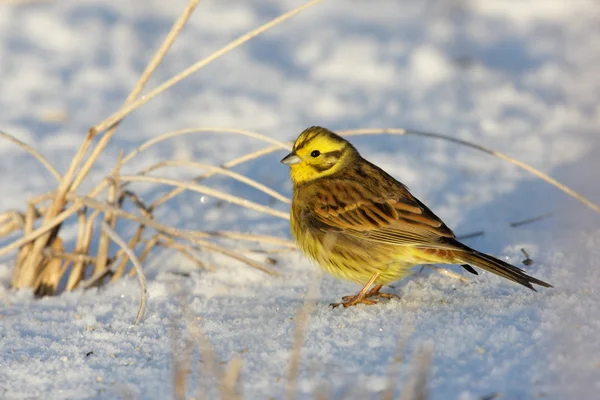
[(291, 159)]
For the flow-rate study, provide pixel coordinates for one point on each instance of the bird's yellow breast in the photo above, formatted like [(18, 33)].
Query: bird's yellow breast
[(348, 257)]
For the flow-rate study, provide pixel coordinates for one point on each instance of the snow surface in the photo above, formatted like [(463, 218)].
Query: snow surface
[(519, 76)]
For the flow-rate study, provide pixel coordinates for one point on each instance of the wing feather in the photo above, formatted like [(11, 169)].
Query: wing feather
[(387, 216)]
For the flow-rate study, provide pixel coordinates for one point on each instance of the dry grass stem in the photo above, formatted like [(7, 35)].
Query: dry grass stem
[(33, 235), (150, 244), (209, 192), (448, 273), (394, 366), (222, 171), (119, 115), (141, 83), (230, 379), (230, 164), (302, 322), (416, 387), (172, 134), (33, 152), (110, 219), (74, 257), (138, 269), (520, 164), (165, 229), (125, 260), (184, 250), (245, 236), (82, 246), (11, 221), (235, 255)]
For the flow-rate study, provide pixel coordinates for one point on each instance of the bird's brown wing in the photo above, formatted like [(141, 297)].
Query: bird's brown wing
[(394, 217)]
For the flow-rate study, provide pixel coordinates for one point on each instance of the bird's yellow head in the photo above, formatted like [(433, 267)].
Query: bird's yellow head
[(318, 152)]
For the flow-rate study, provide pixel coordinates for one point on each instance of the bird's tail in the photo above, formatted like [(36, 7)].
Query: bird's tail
[(500, 268)]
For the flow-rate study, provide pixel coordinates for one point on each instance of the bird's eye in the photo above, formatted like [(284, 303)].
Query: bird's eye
[(315, 153)]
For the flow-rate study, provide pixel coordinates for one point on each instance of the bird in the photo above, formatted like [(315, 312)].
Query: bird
[(358, 223)]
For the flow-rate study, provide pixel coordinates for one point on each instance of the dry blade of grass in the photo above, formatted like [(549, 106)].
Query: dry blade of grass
[(28, 264), (245, 236), (222, 171), (82, 246), (11, 221), (302, 323), (416, 387), (170, 231), (138, 269), (233, 254), (120, 270), (394, 367), (185, 251), (119, 115), (33, 152), (73, 257), (230, 379), (209, 192), (141, 83), (109, 218), (448, 273), (173, 134), (230, 164), (524, 166), (33, 235)]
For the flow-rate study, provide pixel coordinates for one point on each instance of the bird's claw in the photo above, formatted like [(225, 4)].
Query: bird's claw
[(349, 301)]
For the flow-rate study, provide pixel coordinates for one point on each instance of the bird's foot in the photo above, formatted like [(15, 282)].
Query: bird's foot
[(376, 292), (365, 298), (349, 301)]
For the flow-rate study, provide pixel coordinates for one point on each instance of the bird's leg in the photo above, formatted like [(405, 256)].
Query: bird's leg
[(361, 297), (375, 292)]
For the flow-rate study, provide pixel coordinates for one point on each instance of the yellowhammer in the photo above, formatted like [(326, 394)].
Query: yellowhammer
[(359, 223)]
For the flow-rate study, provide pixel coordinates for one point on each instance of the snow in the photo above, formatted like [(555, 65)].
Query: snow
[(517, 76)]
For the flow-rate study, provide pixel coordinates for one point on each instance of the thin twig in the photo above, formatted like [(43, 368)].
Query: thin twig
[(470, 235), (184, 250), (10, 221), (141, 83), (302, 321), (170, 231), (245, 236), (230, 164), (416, 387), (169, 135), (74, 257), (394, 367), (119, 115), (138, 268), (530, 220), (33, 152), (208, 191), (85, 248), (109, 218), (150, 244), (230, 379), (448, 273), (514, 161), (124, 260), (222, 171)]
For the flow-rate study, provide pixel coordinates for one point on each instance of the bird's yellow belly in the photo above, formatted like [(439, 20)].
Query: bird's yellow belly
[(357, 260)]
